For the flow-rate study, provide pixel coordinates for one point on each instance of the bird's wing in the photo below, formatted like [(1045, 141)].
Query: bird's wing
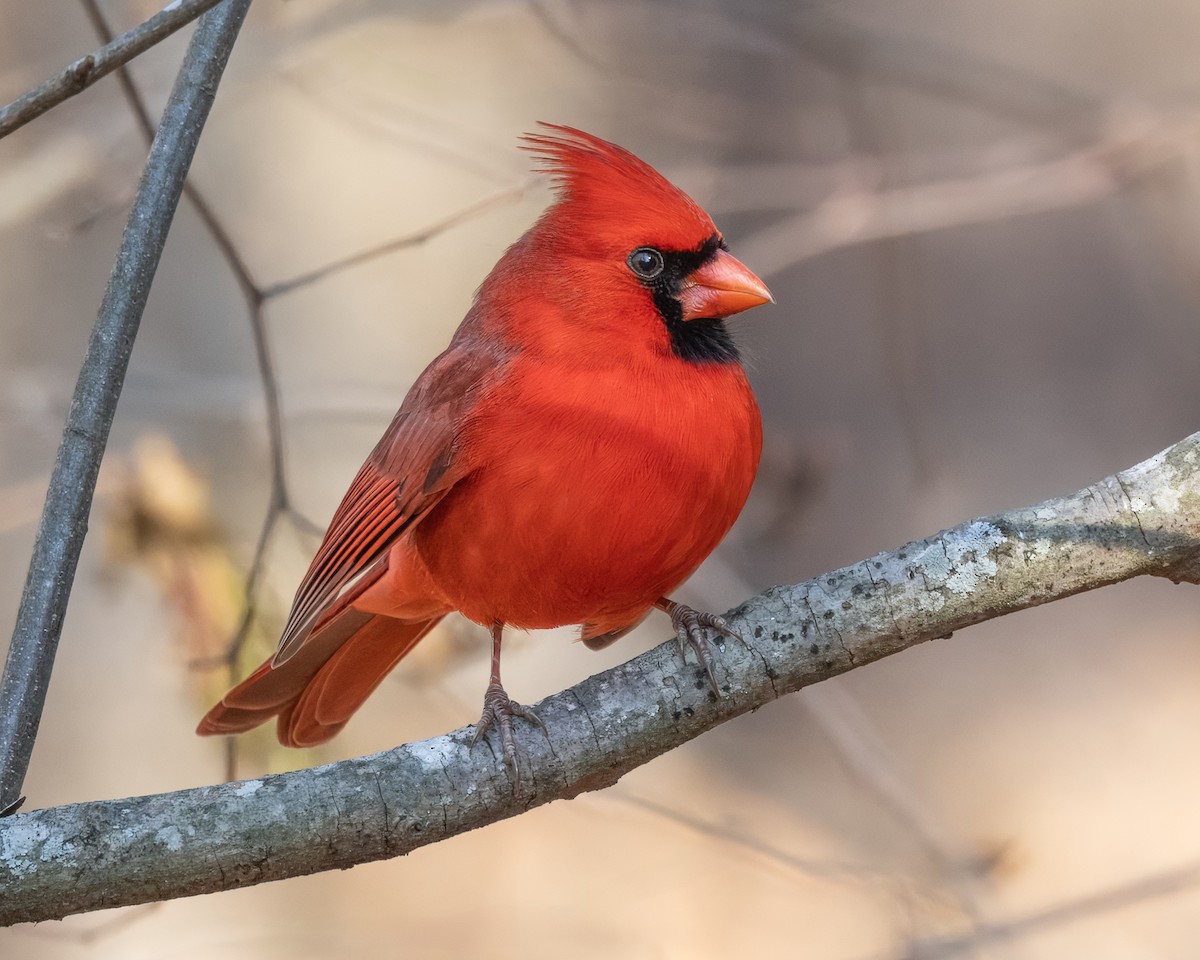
[(411, 468)]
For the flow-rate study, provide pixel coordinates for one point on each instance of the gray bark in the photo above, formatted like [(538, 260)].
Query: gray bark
[(78, 76), (1144, 521)]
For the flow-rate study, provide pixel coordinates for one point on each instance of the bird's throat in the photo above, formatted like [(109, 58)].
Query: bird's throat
[(700, 341)]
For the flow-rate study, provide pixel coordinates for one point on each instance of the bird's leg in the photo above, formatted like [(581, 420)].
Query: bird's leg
[(499, 710), (689, 627)]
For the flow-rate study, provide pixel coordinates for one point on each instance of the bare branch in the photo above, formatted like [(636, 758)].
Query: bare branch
[(507, 195), (825, 869), (85, 71), (860, 213), (1156, 886), (1144, 521), (72, 484), (124, 78)]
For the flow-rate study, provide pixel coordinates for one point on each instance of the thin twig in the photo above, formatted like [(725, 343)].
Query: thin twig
[(424, 235), (832, 871), (124, 78), (1127, 154), (837, 870), (856, 215), (72, 484), (85, 71), (1165, 884)]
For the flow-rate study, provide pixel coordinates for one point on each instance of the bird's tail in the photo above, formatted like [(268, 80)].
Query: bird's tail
[(315, 692)]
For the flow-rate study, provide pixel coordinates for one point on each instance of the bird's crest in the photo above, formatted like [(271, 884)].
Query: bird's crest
[(607, 183)]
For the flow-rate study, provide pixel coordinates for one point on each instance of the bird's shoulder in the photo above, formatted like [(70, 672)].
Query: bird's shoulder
[(423, 436)]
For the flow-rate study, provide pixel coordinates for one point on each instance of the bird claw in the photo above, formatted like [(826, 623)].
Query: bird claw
[(689, 627), (498, 711)]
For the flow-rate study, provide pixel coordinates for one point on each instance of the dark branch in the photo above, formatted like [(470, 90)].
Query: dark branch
[(1144, 521), (279, 503), (69, 498), (85, 71)]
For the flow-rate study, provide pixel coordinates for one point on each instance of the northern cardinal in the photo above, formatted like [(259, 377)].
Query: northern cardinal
[(585, 441)]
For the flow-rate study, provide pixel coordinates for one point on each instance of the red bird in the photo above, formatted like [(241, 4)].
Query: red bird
[(585, 441)]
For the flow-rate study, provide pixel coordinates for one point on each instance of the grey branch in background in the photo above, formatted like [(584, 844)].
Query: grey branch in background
[(78, 76), (1144, 521), (69, 498)]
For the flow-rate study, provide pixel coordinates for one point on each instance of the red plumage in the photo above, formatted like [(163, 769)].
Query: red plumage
[(585, 441)]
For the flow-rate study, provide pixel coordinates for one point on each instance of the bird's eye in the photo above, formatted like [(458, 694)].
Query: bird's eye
[(646, 262)]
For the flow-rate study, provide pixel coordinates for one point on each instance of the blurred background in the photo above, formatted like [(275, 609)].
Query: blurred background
[(981, 225)]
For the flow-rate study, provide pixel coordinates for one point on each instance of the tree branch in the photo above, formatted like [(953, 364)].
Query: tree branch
[(424, 235), (69, 498), (78, 76), (859, 213), (1144, 521)]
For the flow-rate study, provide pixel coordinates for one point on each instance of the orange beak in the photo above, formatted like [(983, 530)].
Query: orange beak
[(721, 287)]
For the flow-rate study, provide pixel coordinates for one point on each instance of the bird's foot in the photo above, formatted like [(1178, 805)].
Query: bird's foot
[(498, 711), (689, 627)]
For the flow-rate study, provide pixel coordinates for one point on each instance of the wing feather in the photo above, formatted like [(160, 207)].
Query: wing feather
[(411, 468)]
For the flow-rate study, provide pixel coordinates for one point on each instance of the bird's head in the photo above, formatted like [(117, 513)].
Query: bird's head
[(619, 226)]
